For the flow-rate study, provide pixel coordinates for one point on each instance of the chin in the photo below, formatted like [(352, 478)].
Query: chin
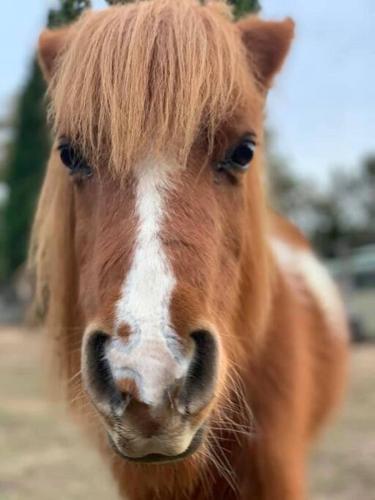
[(161, 458)]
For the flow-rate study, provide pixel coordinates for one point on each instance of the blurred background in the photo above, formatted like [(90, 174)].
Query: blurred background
[(321, 159)]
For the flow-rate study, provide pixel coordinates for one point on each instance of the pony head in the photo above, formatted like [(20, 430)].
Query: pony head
[(150, 238)]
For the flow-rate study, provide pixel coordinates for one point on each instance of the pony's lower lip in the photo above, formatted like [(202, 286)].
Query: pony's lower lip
[(156, 458)]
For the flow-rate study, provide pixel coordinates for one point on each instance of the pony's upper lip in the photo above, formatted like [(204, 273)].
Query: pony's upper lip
[(160, 458)]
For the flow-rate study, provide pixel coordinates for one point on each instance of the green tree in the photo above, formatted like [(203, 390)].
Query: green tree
[(27, 155), (242, 7), (337, 218), (345, 211), (67, 12)]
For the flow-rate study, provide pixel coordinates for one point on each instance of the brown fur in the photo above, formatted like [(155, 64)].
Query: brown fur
[(175, 79)]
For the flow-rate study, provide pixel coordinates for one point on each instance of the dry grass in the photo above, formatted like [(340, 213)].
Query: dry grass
[(42, 455), (344, 460)]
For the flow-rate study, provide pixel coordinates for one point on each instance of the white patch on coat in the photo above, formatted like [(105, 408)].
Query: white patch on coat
[(151, 355), (301, 264)]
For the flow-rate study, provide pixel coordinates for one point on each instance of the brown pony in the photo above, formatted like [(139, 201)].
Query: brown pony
[(196, 329)]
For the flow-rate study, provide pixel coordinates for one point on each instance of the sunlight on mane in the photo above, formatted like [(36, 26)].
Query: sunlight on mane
[(148, 78)]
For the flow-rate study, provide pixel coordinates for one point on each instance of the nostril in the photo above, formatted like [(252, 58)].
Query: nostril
[(201, 377), (203, 367), (97, 373)]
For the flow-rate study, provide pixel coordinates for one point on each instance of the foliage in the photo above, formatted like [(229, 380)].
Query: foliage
[(242, 7), (68, 11), (336, 219), (345, 211), (27, 155)]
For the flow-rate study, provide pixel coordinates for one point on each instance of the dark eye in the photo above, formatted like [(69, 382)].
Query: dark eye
[(242, 155), (239, 157), (73, 160)]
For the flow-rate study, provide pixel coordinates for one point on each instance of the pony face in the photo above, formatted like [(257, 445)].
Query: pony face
[(159, 259), (158, 154)]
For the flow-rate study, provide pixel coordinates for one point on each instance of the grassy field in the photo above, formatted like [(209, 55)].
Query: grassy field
[(42, 455)]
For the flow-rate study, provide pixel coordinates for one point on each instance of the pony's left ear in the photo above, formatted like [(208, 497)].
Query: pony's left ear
[(51, 44), (267, 44)]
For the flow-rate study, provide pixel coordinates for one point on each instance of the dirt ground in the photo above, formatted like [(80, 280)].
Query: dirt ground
[(42, 455)]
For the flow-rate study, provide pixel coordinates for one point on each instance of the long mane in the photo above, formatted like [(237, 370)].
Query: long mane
[(141, 78)]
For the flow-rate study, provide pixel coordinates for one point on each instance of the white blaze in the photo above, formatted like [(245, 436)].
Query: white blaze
[(150, 355)]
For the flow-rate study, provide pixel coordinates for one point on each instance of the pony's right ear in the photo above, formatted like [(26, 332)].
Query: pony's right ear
[(51, 44)]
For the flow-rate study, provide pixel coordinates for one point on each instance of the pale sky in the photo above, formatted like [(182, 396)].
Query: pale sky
[(322, 108)]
